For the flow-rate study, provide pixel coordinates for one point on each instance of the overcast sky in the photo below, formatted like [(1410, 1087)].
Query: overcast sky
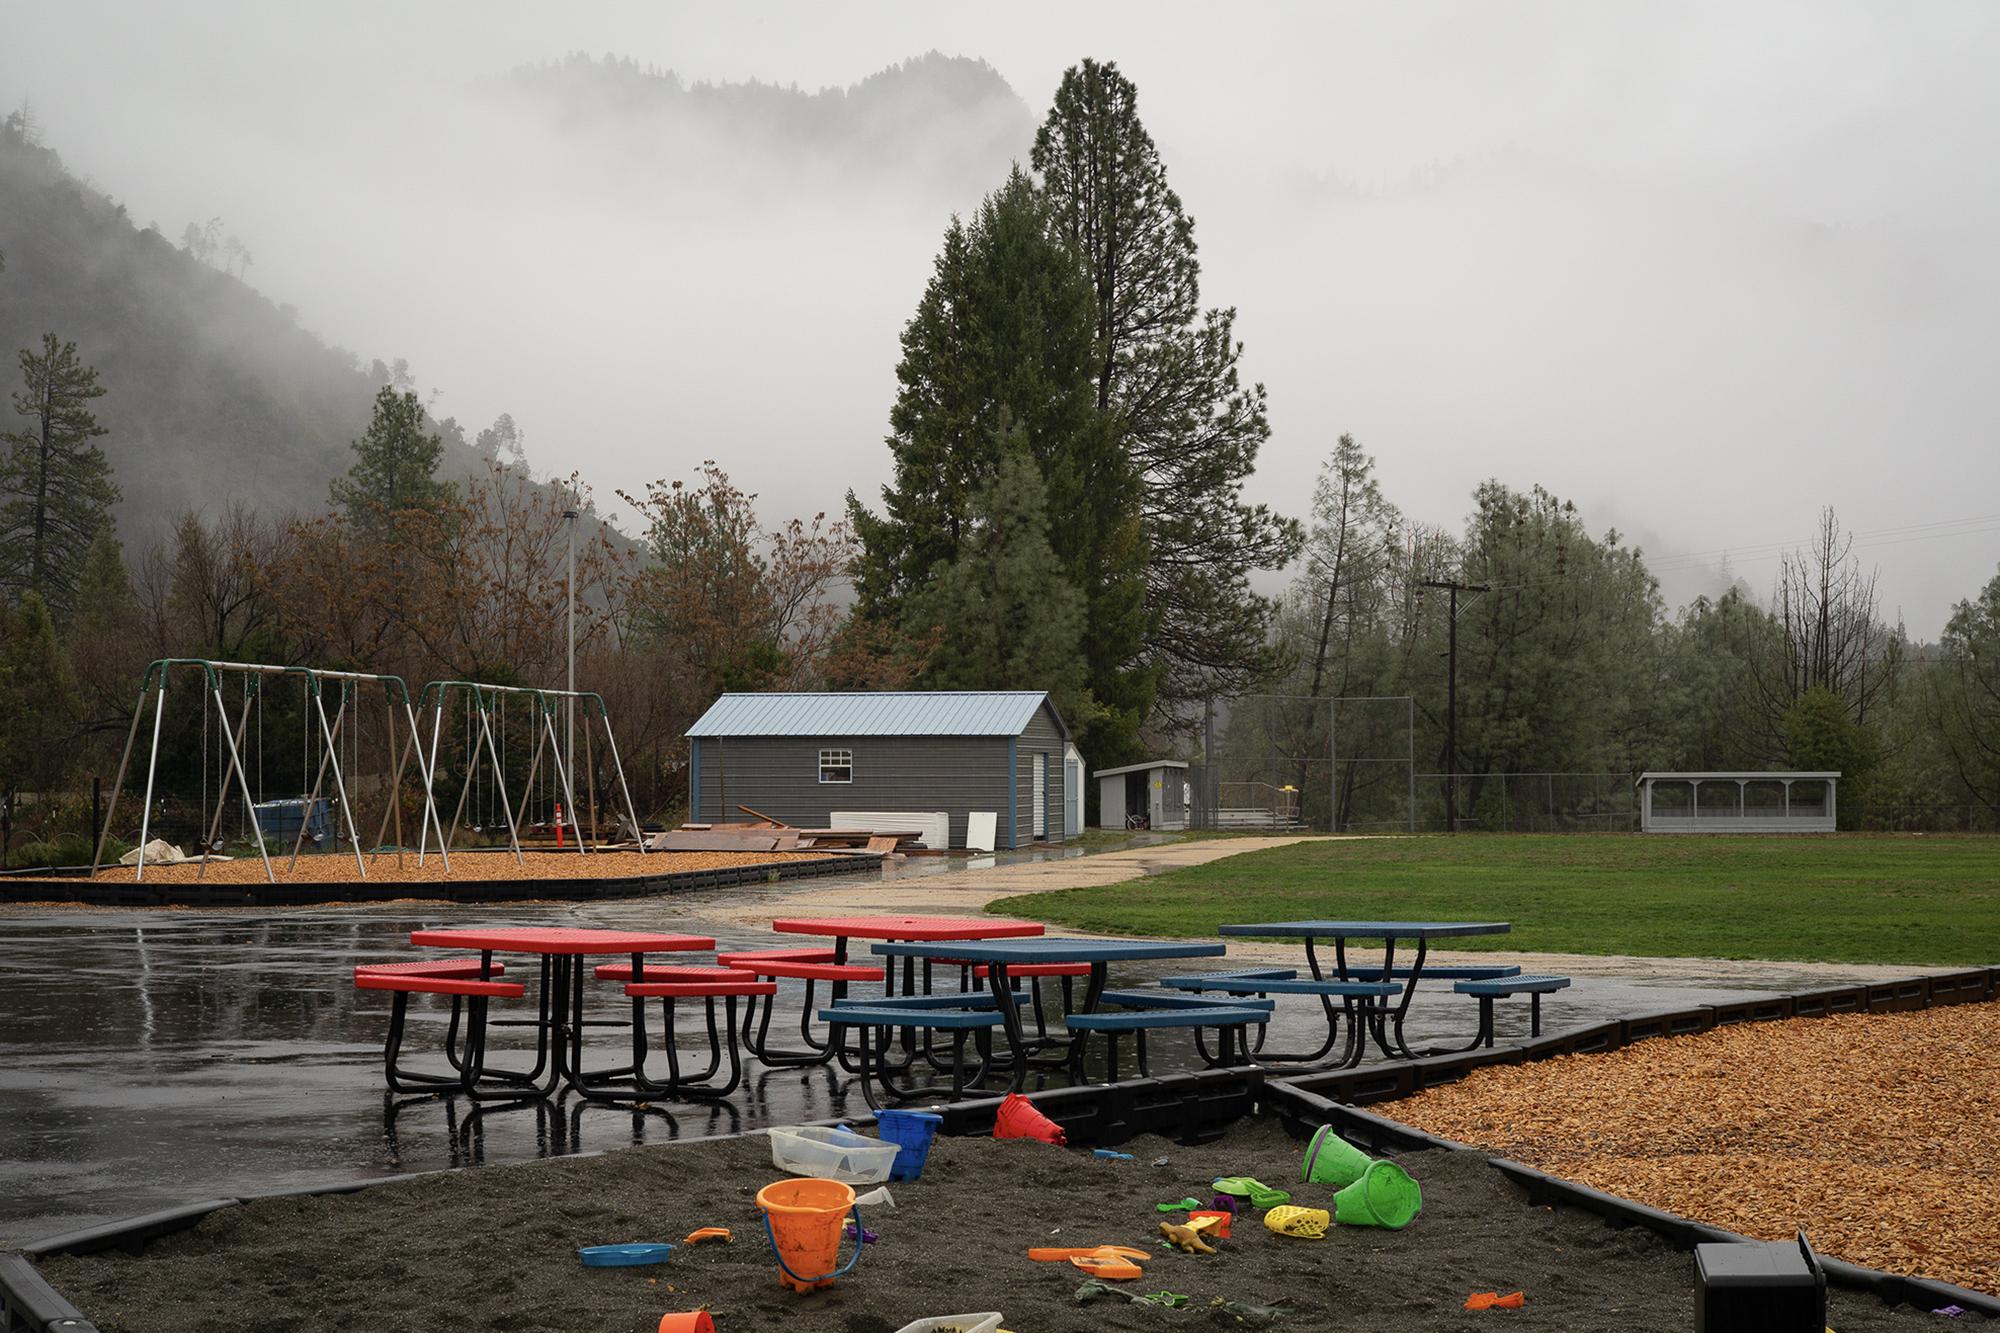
[(1703, 269)]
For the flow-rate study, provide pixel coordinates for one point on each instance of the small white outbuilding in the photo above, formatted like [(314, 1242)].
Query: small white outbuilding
[(1151, 795)]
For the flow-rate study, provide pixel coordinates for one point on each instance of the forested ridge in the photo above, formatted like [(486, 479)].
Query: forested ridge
[(214, 393)]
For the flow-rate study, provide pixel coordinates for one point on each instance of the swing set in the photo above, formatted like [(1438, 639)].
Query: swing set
[(235, 740), (484, 705)]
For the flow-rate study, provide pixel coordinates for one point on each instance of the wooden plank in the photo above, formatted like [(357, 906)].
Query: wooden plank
[(688, 841)]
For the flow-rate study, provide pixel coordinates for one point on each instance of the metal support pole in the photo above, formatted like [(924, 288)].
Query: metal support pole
[(222, 797), (146, 810), (243, 781), (118, 783), (569, 685), (619, 766)]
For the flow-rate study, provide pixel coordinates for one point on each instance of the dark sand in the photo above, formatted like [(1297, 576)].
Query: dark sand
[(494, 1248)]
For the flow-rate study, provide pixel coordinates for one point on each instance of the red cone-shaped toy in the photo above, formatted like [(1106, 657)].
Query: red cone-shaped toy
[(1019, 1119)]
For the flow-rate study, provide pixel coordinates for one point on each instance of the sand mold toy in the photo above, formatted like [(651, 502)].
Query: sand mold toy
[(1259, 1194), (1304, 1223), (624, 1256)]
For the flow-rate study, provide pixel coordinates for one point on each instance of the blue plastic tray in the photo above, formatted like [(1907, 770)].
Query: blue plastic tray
[(624, 1256)]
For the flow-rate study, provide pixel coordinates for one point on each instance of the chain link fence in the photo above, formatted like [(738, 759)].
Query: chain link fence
[(1291, 763)]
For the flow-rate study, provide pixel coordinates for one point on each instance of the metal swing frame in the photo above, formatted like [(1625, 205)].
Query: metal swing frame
[(434, 699), (212, 673)]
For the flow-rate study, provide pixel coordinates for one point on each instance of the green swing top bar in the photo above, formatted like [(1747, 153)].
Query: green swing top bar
[(213, 670), (480, 689)]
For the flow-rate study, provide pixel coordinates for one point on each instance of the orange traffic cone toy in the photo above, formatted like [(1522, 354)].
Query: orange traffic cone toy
[(1018, 1119)]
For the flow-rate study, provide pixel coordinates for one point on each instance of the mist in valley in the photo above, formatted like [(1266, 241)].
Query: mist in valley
[(1701, 271)]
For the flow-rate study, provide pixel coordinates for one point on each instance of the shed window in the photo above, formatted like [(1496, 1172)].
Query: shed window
[(836, 765)]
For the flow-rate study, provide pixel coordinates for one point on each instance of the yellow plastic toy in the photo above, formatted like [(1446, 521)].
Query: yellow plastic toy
[(1304, 1223), (1186, 1238)]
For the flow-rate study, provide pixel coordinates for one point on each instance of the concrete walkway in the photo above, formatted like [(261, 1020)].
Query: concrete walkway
[(922, 887)]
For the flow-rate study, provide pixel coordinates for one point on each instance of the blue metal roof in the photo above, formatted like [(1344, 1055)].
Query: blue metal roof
[(932, 713)]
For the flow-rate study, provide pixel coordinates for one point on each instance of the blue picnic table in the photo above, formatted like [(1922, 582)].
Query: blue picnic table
[(999, 954), (1383, 1022)]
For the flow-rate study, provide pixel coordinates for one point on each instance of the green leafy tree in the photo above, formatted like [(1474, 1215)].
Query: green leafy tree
[(1010, 619), (57, 483), (395, 466), (1821, 736), (1168, 372), (998, 356), (1961, 695), (37, 751), (1557, 660)]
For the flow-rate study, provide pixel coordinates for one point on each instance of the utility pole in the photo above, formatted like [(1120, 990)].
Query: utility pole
[(1451, 701), (569, 703)]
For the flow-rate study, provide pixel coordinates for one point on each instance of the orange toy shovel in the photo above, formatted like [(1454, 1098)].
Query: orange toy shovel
[(1104, 1261)]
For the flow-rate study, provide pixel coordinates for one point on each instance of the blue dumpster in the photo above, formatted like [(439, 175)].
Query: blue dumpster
[(281, 819)]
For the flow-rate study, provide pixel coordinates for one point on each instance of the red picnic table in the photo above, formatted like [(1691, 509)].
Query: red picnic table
[(560, 1021), (831, 966)]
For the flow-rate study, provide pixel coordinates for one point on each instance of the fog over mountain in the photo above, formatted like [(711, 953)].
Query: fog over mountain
[(1703, 271)]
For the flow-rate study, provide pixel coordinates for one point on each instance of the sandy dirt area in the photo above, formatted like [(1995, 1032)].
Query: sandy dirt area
[(496, 1249)]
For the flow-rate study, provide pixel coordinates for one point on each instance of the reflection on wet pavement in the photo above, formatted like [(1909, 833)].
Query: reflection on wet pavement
[(159, 1057)]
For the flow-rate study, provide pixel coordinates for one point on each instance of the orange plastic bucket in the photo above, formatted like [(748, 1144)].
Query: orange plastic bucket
[(803, 1218), (694, 1321)]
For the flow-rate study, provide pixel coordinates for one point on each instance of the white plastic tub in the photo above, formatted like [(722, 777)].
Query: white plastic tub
[(832, 1154), (985, 1322)]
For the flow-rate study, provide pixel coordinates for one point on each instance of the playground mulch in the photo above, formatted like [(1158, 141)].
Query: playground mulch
[(1878, 1134), (494, 1248), (327, 868)]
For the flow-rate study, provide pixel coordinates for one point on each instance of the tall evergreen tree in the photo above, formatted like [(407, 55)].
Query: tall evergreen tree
[(999, 355), (395, 465), (1167, 371), (57, 482), (1010, 618)]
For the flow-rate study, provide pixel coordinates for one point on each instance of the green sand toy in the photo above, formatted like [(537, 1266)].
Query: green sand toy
[(1385, 1196), (1259, 1194)]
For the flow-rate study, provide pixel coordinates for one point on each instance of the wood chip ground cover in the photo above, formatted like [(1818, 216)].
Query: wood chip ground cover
[(1878, 1134), (331, 869)]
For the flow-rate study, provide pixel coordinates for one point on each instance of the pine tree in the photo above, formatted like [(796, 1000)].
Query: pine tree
[(999, 355), (57, 482), (1168, 372), (395, 465), (1010, 618)]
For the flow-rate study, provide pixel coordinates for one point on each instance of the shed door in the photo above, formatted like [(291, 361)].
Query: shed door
[(1040, 801)]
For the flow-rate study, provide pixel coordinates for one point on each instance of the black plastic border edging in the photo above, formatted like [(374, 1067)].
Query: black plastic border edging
[(28, 1304), (26, 888)]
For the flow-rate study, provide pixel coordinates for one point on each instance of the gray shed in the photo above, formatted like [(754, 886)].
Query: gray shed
[(1150, 795), (800, 757)]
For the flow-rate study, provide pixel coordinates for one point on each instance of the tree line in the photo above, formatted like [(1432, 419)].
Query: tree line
[(1569, 663)]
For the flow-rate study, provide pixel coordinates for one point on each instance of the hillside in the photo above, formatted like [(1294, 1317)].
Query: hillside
[(213, 392), (938, 120)]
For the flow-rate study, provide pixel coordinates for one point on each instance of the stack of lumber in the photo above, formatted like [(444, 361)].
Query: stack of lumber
[(770, 835)]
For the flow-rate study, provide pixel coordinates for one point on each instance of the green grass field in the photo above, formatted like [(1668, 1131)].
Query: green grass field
[(1856, 899)]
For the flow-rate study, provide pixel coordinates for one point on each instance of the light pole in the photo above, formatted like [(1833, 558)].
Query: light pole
[(1451, 702), (569, 703)]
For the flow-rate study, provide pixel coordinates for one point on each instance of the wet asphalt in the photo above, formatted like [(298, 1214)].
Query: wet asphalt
[(151, 1058)]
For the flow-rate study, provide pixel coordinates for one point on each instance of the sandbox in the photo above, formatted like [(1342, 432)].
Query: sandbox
[(496, 1248)]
